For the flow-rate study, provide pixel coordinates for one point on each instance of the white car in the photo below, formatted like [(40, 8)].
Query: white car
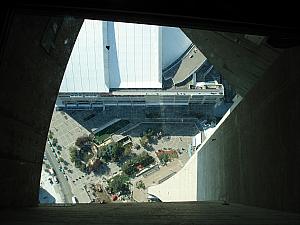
[(74, 199), (55, 179)]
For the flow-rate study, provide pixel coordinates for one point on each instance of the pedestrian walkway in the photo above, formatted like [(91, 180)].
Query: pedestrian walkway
[(105, 125)]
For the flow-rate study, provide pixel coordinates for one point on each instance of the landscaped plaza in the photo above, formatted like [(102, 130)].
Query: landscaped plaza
[(109, 157)]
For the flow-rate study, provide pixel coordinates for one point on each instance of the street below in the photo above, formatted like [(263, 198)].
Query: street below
[(65, 187)]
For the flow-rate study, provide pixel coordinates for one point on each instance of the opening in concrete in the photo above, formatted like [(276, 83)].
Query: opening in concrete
[(135, 103), (250, 158)]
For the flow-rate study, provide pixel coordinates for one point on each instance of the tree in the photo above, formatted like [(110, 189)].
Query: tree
[(54, 141), (77, 163), (150, 132), (61, 159), (85, 155), (119, 183), (144, 141), (140, 184), (50, 134), (91, 136), (94, 165), (105, 153), (65, 162), (127, 150), (47, 166), (83, 140), (111, 152), (145, 159), (82, 167), (129, 168), (73, 153), (116, 151), (164, 158)]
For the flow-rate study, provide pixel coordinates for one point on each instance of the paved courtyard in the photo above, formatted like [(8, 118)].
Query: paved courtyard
[(154, 178), (177, 135)]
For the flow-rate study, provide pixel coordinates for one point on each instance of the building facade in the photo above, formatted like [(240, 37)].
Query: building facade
[(115, 63)]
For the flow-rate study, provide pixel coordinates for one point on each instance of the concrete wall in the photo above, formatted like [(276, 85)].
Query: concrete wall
[(238, 59), (183, 186), (180, 187), (32, 66), (255, 157), (204, 213)]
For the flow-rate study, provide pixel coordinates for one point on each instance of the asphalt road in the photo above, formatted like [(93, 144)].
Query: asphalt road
[(65, 186)]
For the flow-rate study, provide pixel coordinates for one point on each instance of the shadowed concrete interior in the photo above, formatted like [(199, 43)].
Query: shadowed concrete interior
[(253, 161), (253, 157), (32, 67)]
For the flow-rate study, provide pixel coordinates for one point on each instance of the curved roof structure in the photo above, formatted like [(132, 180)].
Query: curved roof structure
[(117, 55), (174, 44)]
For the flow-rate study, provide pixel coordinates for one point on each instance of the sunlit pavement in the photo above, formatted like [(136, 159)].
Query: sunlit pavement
[(67, 130)]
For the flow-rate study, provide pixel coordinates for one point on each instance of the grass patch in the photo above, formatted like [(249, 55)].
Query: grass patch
[(105, 133), (101, 138)]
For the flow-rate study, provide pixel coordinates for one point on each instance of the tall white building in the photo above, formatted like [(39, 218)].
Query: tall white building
[(115, 63)]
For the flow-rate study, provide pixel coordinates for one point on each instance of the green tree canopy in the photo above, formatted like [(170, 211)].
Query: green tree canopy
[(73, 153), (54, 141), (95, 165), (117, 151), (145, 159), (50, 134), (81, 141), (164, 158), (129, 168), (144, 141), (112, 152), (140, 184), (119, 183), (127, 150)]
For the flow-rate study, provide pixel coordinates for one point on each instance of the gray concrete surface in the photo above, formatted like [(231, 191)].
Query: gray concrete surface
[(32, 65), (65, 187), (254, 158), (66, 129), (189, 65), (264, 170), (206, 213), (239, 60)]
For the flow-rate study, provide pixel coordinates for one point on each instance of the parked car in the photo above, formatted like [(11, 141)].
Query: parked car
[(55, 179), (52, 172), (50, 180), (62, 170), (74, 199)]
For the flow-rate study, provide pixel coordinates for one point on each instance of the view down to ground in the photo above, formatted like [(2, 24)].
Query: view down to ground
[(113, 145)]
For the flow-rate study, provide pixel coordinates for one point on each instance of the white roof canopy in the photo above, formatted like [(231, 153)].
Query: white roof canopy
[(134, 57), (85, 69), (116, 55)]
